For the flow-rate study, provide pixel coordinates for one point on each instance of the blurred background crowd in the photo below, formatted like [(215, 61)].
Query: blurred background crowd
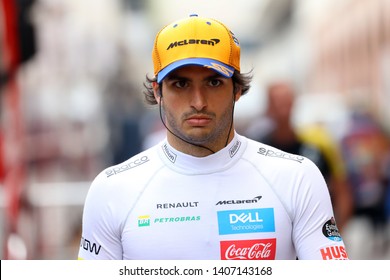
[(71, 81)]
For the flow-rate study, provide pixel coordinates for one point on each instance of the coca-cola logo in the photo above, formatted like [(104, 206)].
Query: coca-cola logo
[(258, 249)]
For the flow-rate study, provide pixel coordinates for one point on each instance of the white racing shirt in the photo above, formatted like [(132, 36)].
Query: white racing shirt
[(249, 201)]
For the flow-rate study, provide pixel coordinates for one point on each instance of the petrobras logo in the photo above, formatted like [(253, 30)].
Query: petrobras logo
[(334, 253), (246, 221), (144, 221), (257, 249), (176, 219), (147, 221)]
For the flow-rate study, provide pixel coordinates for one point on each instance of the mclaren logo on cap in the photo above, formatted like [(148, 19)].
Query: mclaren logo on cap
[(210, 42)]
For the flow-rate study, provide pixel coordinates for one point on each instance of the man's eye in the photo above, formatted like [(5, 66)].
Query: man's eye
[(215, 83), (180, 84)]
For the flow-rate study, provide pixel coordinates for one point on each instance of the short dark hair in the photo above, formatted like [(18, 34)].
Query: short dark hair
[(241, 80)]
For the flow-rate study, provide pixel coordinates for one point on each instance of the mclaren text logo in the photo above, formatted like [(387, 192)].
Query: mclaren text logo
[(210, 42), (126, 166), (239, 201)]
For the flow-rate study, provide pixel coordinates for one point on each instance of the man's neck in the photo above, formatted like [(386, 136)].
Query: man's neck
[(197, 150)]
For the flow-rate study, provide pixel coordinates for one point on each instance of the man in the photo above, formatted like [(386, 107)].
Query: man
[(311, 141), (206, 192)]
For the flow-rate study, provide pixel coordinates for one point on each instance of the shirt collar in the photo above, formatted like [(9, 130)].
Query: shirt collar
[(187, 164)]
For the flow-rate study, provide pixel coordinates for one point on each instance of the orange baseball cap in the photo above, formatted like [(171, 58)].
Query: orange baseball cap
[(196, 41)]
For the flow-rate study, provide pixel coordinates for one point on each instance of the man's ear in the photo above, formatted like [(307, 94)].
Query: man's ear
[(237, 93), (157, 91)]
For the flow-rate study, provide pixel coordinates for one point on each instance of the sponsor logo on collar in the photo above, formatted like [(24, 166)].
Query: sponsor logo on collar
[(168, 153), (234, 149)]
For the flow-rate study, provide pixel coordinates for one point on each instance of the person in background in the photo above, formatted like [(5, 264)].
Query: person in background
[(312, 141), (366, 148), (205, 191)]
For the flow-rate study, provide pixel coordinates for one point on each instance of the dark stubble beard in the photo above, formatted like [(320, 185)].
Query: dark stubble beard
[(218, 135)]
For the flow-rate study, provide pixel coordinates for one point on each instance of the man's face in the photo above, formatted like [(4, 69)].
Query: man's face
[(198, 105)]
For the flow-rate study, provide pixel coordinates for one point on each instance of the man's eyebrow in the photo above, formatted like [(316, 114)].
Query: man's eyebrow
[(176, 77), (215, 76)]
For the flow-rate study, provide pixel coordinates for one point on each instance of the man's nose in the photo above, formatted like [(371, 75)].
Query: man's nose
[(198, 98)]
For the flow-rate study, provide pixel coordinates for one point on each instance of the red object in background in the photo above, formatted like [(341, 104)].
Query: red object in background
[(2, 168), (12, 169)]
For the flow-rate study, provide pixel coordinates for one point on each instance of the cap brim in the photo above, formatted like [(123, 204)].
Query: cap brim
[(219, 67)]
